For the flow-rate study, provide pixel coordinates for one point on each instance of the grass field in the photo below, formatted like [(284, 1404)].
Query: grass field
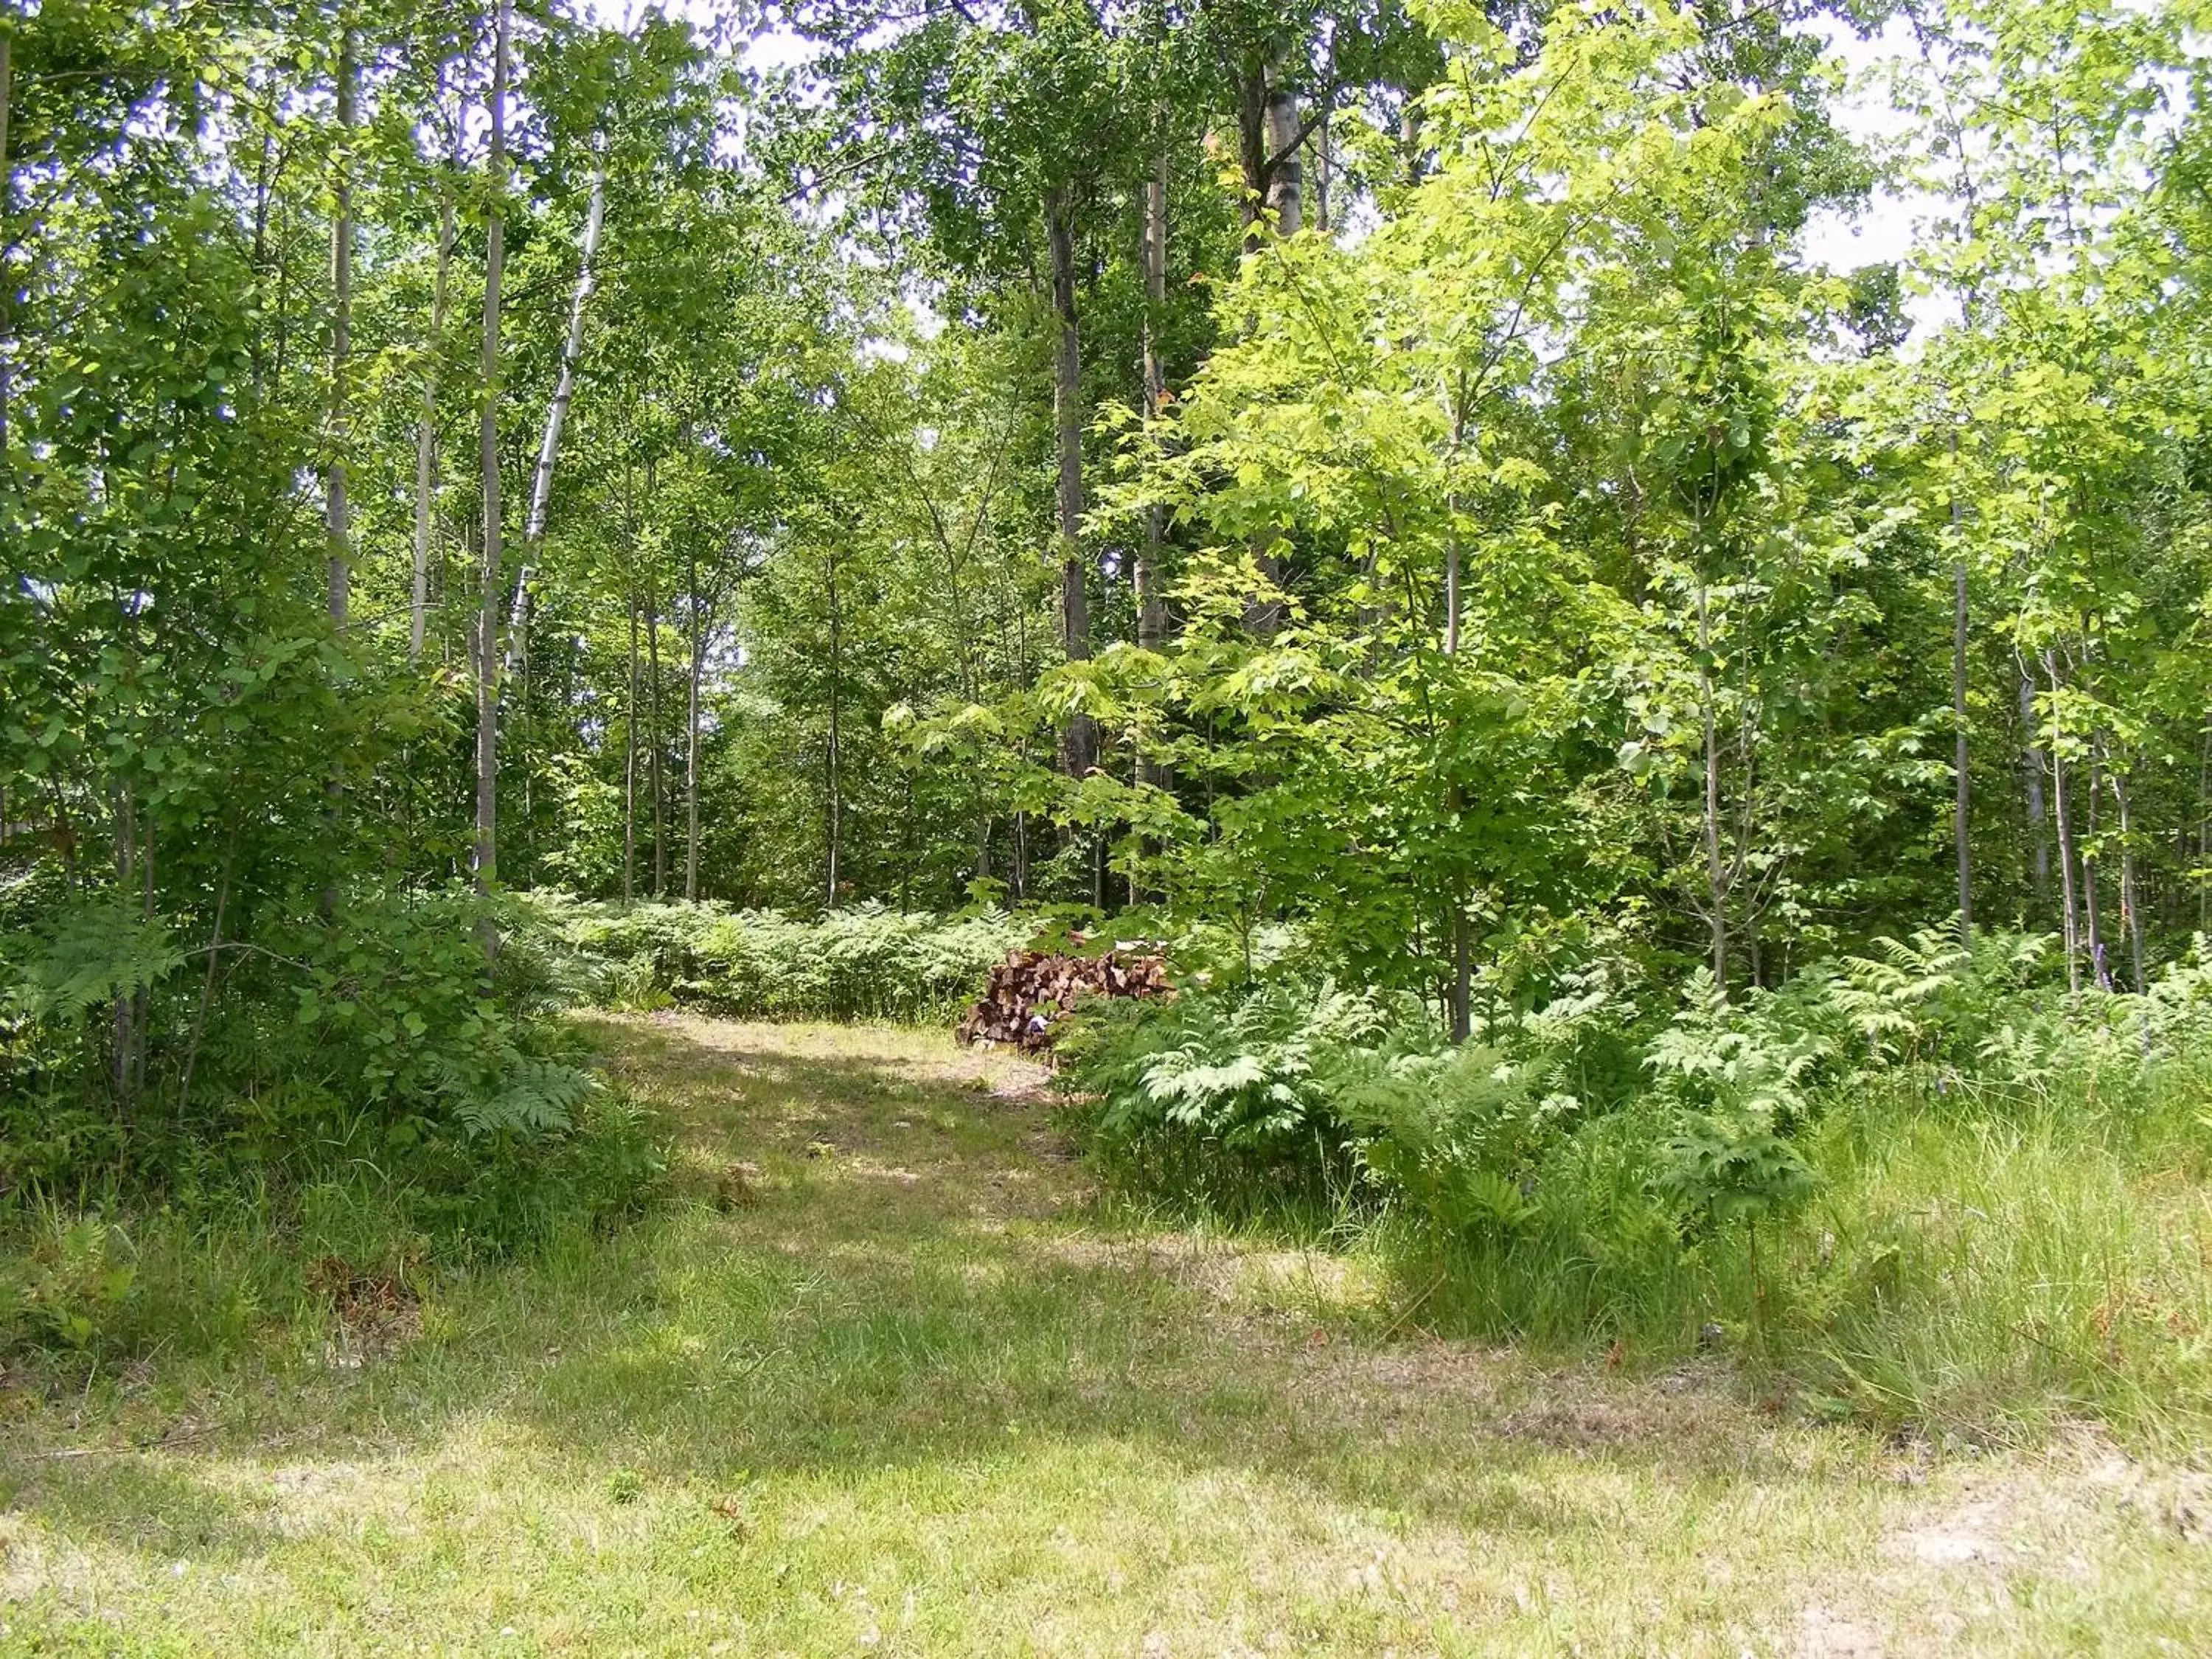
[(886, 1378)]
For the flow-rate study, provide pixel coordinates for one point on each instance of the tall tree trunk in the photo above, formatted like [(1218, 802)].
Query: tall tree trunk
[(630, 768), (572, 345), (7, 178), (124, 1018), (337, 517), (207, 981), (2038, 816), (1462, 973), (2072, 929), (1252, 148), (832, 758), (142, 998), (2204, 832), (1324, 169), (1151, 604), (1960, 820), (660, 829), (548, 445), (691, 732), (1716, 882), (426, 430), (1451, 573), (488, 652), (1286, 174), (2130, 896), (2092, 884), (1078, 747), (263, 168)]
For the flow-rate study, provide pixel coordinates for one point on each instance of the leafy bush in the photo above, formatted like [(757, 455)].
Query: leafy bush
[(112, 1276), (1233, 1097), (1920, 1175), (867, 961), (370, 1054)]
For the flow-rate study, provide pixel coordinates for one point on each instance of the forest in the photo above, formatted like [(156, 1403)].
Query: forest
[(1608, 602)]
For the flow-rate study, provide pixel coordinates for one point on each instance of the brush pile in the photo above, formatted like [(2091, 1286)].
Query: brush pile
[(1031, 992)]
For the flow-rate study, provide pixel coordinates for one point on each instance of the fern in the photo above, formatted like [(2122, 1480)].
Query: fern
[(89, 955), (538, 1096)]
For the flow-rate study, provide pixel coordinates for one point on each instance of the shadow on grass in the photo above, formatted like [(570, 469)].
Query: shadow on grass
[(907, 1284)]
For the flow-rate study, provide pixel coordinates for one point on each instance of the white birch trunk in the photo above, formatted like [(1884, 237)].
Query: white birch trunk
[(486, 857)]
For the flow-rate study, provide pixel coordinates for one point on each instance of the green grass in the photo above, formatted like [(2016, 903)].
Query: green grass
[(1990, 1273), (885, 1375)]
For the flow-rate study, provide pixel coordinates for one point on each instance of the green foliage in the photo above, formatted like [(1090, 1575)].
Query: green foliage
[(1811, 1160), (1227, 1098), (868, 962), (227, 1252), (62, 1290), (86, 956)]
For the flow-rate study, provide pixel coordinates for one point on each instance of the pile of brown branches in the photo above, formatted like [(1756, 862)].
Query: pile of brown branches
[(1031, 992)]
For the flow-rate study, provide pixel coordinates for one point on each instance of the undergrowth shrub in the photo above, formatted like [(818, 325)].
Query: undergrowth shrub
[(369, 1052), (116, 1274), (1924, 1183), (865, 962)]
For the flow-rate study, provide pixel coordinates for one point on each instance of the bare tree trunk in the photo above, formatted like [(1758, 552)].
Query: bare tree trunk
[(337, 517), (1151, 605), (125, 1016), (691, 735), (572, 345), (833, 759), (1462, 973), (653, 654), (629, 769), (2204, 832), (1252, 148), (2038, 817), (487, 655), (1959, 810), (7, 300), (426, 431), (1324, 168), (557, 413), (1286, 177), (207, 982), (1717, 883), (1452, 555), (1079, 745), (263, 167), (2130, 896), (2092, 885), (2072, 930)]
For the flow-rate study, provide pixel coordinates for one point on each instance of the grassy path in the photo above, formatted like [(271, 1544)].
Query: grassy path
[(881, 1381)]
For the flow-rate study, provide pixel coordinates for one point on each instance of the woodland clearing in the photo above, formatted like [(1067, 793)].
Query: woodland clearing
[(887, 1375)]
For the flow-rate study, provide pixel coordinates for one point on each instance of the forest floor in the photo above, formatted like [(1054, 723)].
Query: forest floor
[(884, 1377)]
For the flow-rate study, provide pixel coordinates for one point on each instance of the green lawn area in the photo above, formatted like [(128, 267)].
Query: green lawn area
[(884, 1378)]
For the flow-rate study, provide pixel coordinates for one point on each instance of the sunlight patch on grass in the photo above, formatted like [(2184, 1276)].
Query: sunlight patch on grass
[(918, 1393)]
